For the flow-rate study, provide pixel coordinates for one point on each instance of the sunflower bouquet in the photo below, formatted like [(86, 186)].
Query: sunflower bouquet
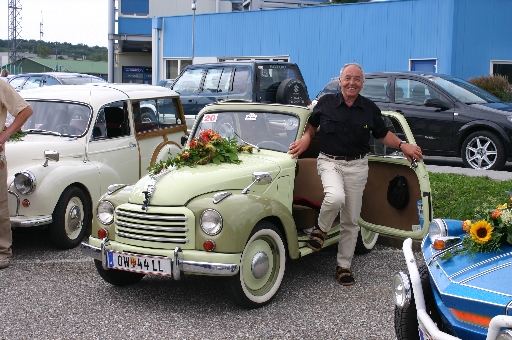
[(487, 234), (209, 147)]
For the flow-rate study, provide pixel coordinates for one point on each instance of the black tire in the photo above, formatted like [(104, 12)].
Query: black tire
[(252, 291), (483, 150), (292, 91), (148, 116), (366, 240), (118, 278), (71, 218), (406, 319)]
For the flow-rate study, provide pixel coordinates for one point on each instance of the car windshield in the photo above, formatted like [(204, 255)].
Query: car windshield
[(80, 80), (464, 91), (272, 131), (68, 119)]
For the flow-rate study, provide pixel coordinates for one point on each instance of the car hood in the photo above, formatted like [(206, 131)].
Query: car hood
[(179, 186), (503, 108), (30, 150)]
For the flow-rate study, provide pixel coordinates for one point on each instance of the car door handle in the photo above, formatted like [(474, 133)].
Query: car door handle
[(190, 100), (399, 111)]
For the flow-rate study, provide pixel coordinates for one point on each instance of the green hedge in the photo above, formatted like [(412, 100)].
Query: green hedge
[(497, 85)]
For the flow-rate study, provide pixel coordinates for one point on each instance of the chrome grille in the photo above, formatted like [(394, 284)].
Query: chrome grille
[(159, 227)]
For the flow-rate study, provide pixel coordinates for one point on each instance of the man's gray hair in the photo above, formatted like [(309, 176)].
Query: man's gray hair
[(351, 64)]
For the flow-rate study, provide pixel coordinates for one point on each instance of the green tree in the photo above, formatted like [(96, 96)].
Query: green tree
[(43, 51)]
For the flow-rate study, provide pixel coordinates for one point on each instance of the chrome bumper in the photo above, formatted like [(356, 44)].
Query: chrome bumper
[(191, 267), (30, 221)]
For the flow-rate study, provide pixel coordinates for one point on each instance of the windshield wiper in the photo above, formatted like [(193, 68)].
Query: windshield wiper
[(254, 146), (45, 132)]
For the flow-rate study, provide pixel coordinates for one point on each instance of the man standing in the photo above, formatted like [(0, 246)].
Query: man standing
[(10, 101), (346, 120)]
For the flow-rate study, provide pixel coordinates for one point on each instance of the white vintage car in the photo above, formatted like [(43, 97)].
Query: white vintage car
[(80, 140)]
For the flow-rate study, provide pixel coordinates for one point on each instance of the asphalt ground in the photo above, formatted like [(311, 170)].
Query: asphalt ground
[(48, 293)]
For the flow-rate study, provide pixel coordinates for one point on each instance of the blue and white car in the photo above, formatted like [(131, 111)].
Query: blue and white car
[(462, 297)]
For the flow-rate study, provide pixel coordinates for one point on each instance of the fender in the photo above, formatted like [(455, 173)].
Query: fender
[(51, 182), (476, 125), (238, 223)]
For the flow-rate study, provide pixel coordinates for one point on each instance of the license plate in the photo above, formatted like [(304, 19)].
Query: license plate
[(144, 264), (424, 335)]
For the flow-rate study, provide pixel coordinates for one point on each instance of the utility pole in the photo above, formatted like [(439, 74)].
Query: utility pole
[(41, 27), (14, 14), (193, 24)]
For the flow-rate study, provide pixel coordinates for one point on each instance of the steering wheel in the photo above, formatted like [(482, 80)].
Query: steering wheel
[(281, 147), (226, 130), (63, 128)]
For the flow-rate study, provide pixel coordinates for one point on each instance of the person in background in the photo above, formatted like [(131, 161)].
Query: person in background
[(346, 120), (4, 73), (12, 102)]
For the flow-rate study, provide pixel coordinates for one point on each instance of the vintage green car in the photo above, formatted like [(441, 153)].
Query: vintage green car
[(243, 221)]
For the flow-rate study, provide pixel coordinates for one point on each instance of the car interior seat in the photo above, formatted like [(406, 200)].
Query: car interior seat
[(418, 94), (399, 93)]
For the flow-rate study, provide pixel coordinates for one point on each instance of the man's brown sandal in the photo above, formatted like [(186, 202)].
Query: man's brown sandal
[(316, 239), (344, 276)]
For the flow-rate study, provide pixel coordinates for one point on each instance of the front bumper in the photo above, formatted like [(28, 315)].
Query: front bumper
[(178, 263), (425, 322)]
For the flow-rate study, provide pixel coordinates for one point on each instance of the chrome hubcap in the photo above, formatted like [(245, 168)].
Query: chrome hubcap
[(260, 265), (75, 217)]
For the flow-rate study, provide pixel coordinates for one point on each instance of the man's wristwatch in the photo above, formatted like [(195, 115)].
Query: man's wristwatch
[(400, 144)]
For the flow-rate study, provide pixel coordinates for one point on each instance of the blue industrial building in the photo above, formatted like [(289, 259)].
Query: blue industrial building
[(464, 38)]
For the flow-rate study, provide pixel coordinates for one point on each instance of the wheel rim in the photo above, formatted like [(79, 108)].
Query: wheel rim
[(74, 218), (369, 238), (481, 153), (262, 266)]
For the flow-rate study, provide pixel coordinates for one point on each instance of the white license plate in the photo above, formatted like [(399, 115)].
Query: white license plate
[(144, 264)]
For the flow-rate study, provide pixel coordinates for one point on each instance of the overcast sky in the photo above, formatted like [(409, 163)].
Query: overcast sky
[(72, 21)]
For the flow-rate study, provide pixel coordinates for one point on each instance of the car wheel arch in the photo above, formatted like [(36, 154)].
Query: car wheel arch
[(482, 125)]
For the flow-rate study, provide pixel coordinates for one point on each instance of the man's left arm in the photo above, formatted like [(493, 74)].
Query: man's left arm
[(410, 151)]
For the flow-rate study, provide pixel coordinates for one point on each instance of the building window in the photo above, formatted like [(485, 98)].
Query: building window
[(245, 58), (502, 67), (173, 67)]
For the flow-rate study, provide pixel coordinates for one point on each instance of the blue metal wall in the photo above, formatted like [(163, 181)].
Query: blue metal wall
[(483, 32), (139, 26), (135, 6), (381, 36)]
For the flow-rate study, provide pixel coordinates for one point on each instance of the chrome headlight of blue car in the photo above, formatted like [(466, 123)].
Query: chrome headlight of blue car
[(25, 182)]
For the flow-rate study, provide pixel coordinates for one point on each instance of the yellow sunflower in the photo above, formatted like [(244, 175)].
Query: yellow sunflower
[(481, 232)]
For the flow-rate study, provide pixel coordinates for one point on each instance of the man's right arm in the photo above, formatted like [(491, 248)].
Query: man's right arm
[(299, 146)]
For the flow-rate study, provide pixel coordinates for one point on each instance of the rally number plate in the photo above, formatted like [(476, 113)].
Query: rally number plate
[(144, 264)]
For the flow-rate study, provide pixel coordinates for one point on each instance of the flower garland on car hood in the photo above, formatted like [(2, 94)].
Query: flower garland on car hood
[(487, 234), (209, 147)]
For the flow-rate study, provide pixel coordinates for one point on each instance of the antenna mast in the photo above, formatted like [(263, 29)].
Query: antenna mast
[(14, 29)]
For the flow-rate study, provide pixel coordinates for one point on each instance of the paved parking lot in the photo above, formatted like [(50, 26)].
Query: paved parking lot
[(53, 294)]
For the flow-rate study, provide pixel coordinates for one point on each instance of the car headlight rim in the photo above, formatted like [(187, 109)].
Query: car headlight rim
[(211, 222), (436, 229), (505, 334), (25, 182), (105, 212), (402, 292)]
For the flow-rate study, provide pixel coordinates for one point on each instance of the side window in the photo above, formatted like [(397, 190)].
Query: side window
[(375, 89), (211, 81), (48, 81), (410, 91), (111, 122), (150, 115), (32, 82), (225, 79), (17, 82), (240, 79), (189, 82), (378, 148)]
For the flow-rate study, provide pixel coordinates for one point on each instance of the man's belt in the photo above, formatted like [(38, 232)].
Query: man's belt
[(344, 158)]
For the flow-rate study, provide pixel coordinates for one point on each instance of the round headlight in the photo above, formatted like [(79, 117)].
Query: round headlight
[(211, 222), (401, 290), (436, 229), (505, 335), (105, 212), (25, 182)]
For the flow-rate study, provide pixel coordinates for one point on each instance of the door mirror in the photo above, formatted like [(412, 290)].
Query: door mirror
[(436, 102)]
